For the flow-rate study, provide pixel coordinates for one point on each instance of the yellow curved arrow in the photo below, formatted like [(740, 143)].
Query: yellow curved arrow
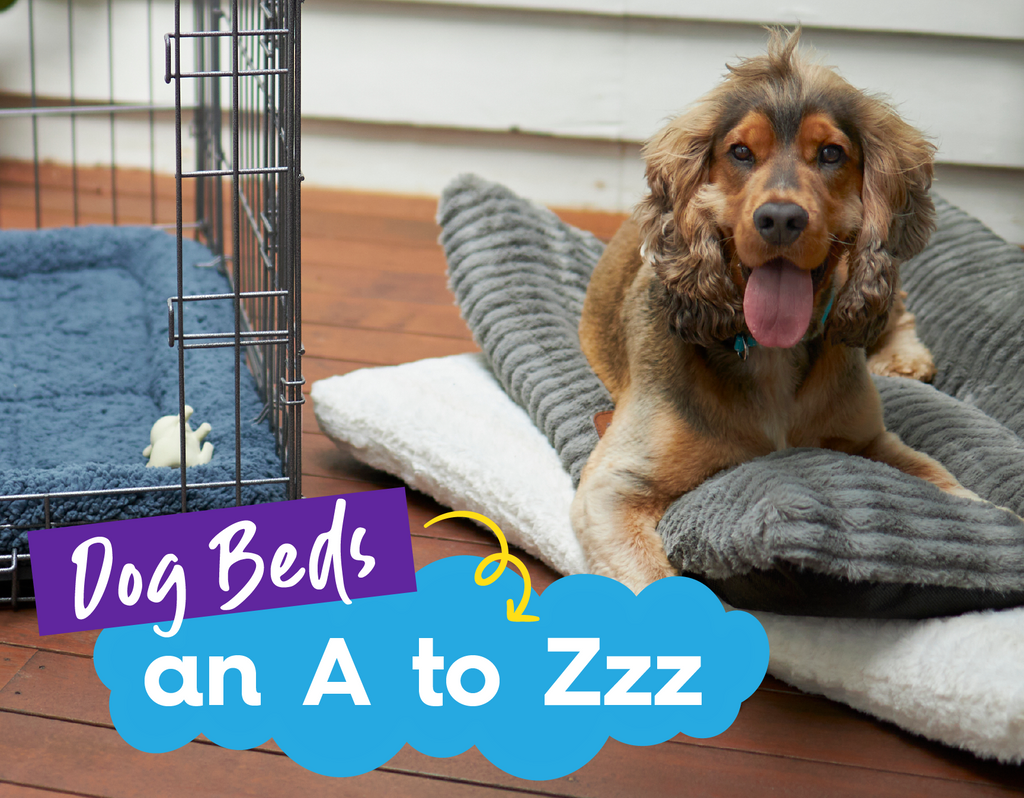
[(502, 557)]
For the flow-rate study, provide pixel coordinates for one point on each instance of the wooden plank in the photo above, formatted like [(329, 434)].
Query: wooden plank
[(314, 369), (313, 486), (321, 307), (134, 187), (24, 219), (674, 769), (79, 758), (20, 628), (601, 224), (8, 790), (424, 208), (64, 687), (814, 728), (90, 204), (366, 227), (58, 755), (58, 686), (322, 457), (320, 368), (11, 661), (416, 289), (91, 179), (388, 206), (378, 347), (93, 198), (421, 258)]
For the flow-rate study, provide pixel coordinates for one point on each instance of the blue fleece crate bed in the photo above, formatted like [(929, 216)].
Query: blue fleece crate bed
[(85, 371)]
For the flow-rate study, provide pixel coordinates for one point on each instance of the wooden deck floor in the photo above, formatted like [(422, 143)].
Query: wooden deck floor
[(375, 293)]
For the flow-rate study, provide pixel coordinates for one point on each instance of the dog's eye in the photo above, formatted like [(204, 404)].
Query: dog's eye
[(742, 153), (830, 154)]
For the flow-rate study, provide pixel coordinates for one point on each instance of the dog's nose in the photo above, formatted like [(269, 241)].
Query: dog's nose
[(780, 222)]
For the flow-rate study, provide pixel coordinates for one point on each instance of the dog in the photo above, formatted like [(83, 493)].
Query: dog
[(741, 308)]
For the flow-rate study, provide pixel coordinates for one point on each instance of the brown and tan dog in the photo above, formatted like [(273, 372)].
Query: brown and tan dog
[(729, 317)]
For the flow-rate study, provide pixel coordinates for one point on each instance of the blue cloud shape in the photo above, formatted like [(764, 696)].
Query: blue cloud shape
[(369, 699)]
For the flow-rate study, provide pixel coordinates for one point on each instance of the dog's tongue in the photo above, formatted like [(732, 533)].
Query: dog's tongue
[(778, 304)]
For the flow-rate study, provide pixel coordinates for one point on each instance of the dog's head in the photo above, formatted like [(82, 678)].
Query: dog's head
[(781, 190)]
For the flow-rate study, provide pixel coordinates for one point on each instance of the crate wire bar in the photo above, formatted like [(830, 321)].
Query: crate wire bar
[(261, 159), (253, 159)]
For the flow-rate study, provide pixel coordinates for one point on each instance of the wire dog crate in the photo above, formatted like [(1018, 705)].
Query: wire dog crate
[(90, 147)]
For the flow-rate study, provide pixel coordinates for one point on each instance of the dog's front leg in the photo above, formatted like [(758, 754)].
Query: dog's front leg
[(617, 527), (888, 448), (623, 494), (898, 352)]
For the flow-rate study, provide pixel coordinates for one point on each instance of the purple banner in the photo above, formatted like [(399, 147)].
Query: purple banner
[(167, 568)]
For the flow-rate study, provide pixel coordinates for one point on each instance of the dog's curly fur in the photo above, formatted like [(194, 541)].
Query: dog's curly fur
[(666, 302)]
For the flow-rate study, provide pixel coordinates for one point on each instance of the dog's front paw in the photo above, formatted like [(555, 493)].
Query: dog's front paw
[(914, 361), (966, 493), (959, 490)]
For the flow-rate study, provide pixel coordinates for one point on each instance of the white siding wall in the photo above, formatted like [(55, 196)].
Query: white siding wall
[(554, 96)]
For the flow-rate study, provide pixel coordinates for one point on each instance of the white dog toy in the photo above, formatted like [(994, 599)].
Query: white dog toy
[(165, 443)]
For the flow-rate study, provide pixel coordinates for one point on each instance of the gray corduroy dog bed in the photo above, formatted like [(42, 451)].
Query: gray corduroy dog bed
[(801, 531)]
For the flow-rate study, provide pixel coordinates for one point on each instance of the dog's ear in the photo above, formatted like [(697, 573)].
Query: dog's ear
[(897, 220), (678, 233)]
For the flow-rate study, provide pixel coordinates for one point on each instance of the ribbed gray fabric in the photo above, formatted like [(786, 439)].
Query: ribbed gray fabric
[(967, 289), (519, 275)]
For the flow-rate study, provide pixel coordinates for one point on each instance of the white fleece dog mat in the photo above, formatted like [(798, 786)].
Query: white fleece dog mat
[(959, 680)]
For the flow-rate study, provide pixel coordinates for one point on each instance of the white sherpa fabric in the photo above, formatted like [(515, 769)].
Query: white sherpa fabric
[(958, 680), (462, 441)]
